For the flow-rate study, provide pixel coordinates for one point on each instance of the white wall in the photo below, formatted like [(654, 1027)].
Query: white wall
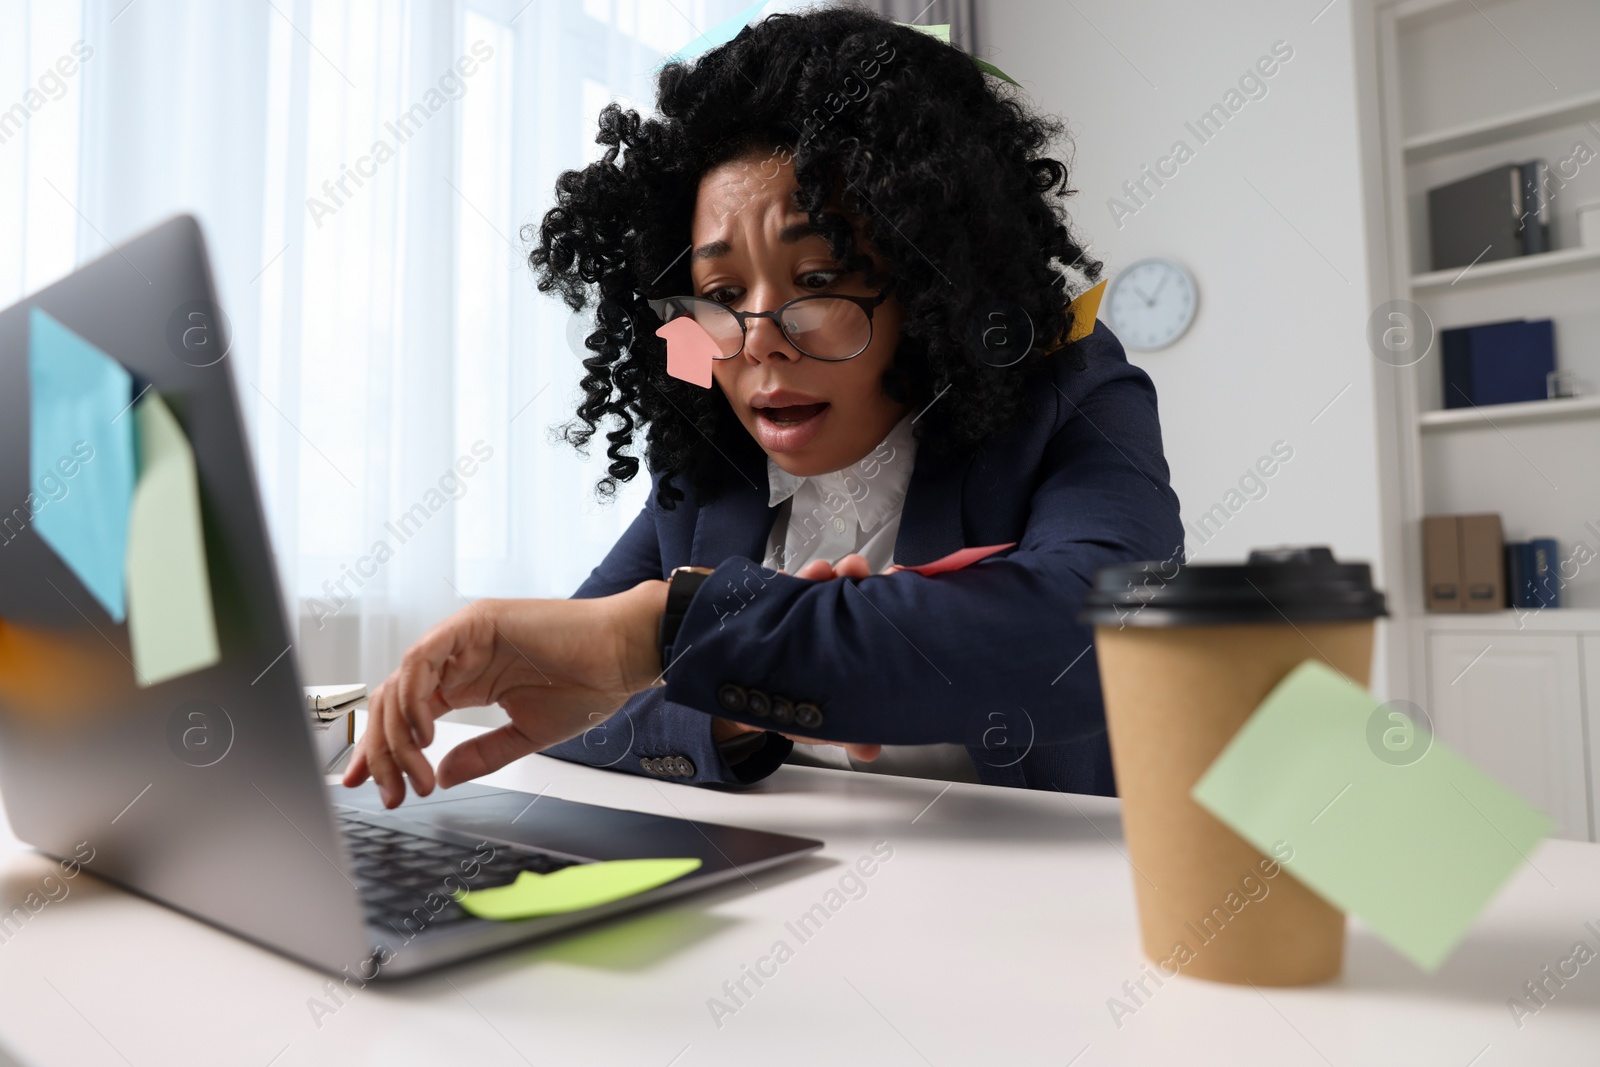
[(1282, 267)]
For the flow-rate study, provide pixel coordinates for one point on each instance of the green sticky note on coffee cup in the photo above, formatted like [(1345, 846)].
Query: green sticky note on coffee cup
[(583, 885), (1370, 811)]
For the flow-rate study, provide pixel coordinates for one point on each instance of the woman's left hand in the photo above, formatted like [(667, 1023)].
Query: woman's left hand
[(820, 570)]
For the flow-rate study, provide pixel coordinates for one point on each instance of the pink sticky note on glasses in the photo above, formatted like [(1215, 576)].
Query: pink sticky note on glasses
[(689, 350), (956, 560)]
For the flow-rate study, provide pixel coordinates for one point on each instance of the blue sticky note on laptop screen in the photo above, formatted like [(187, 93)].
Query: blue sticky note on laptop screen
[(80, 456)]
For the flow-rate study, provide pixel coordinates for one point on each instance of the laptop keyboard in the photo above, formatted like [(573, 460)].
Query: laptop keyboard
[(406, 879)]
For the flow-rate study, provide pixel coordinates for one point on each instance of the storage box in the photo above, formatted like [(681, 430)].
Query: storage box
[(1483, 562), (1464, 562), (1441, 562), (1589, 225)]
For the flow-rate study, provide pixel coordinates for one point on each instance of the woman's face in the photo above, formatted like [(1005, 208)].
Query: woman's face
[(754, 250)]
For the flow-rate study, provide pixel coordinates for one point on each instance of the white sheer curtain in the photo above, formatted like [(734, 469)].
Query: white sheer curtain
[(361, 169)]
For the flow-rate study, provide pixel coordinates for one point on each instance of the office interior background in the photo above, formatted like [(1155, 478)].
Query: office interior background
[(384, 323)]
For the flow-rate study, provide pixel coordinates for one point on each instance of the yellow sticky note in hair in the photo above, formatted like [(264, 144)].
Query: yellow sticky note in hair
[(1084, 308)]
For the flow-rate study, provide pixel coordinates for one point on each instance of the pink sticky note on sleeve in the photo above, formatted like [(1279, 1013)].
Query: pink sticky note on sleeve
[(956, 560), (689, 350)]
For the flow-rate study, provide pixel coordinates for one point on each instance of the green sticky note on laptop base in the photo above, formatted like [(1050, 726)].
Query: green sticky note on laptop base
[(583, 885), (1390, 826)]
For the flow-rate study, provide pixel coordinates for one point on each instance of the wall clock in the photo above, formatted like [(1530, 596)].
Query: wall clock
[(1151, 303)]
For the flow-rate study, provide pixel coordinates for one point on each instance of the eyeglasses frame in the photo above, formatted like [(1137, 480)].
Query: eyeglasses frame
[(866, 303)]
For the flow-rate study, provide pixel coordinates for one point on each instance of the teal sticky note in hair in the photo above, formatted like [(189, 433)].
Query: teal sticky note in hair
[(1370, 811), (720, 34), (80, 456)]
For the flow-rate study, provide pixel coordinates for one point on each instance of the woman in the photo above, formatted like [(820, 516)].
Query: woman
[(927, 405)]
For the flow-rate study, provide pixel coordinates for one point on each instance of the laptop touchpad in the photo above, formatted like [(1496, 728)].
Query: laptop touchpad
[(545, 822)]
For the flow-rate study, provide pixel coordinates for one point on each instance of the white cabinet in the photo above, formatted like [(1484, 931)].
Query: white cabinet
[(1591, 719), (1513, 704)]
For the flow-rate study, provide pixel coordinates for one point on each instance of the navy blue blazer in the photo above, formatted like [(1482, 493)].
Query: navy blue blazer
[(992, 657)]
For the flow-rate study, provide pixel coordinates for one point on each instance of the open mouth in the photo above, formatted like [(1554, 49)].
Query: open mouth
[(791, 415)]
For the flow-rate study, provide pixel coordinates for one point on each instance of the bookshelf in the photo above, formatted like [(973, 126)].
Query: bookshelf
[(1502, 414), (1462, 86), (1554, 115), (1522, 267), (1578, 621)]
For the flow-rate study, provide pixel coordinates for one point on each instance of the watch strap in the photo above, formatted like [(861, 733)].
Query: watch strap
[(682, 584)]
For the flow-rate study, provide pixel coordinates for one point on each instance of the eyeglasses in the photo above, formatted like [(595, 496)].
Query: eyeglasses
[(823, 326)]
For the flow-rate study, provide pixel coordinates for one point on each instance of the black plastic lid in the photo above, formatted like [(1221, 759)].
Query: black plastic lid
[(1276, 585)]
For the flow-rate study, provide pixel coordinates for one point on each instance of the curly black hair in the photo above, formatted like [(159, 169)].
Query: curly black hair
[(943, 161)]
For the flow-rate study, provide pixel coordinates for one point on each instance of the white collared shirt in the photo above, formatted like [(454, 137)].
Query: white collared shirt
[(856, 509)]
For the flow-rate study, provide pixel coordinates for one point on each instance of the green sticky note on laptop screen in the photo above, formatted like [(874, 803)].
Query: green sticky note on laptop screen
[(1384, 821), (171, 628)]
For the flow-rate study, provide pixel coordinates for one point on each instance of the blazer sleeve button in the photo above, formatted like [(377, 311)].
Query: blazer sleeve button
[(731, 697), (649, 765), (685, 767), (807, 715), (782, 711), (757, 703)]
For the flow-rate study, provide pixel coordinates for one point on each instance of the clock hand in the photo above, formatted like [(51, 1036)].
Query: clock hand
[(1157, 293), (1140, 293)]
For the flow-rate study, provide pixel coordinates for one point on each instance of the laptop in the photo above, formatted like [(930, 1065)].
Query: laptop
[(201, 791)]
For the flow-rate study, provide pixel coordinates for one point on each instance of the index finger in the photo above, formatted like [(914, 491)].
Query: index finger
[(483, 754), (412, 718)]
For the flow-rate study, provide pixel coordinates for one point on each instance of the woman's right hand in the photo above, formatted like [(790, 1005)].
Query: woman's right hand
[(555, 666)]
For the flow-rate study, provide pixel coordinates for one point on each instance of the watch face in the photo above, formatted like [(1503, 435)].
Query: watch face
[(1151, 304)]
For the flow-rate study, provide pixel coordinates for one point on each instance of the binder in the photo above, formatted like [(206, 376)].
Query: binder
[(1544, 583), (1497, 362), (1535, 207), (1478, 219), (1519, 561)]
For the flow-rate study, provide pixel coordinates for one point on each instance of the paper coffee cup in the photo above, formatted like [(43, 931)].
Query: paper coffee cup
[(1186, 654)]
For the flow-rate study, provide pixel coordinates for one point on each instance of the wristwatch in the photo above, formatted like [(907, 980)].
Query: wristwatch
[(681, 586)]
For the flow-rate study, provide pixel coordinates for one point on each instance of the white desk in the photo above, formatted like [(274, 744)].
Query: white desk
[(994, 935)]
